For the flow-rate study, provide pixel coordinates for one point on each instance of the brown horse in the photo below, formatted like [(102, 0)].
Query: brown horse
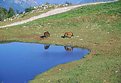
[(68, 34), (46, 35)]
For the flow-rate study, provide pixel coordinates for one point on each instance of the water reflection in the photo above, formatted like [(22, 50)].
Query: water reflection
[(68, 48), (46, 46)]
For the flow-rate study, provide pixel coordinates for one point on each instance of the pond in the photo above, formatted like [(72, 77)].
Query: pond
[(21, 62)]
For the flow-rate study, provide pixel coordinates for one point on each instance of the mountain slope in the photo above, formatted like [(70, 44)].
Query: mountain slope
[(18, 5), (49, 13)]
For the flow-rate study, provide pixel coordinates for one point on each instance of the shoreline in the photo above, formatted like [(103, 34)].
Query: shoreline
[(53, 12), (13, 41)]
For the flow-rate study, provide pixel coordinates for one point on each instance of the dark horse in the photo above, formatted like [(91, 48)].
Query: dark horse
[(46, 35)]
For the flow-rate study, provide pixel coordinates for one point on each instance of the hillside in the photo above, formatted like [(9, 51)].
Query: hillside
[(37, 11), (96, 27), (56, 9), (18, 5)]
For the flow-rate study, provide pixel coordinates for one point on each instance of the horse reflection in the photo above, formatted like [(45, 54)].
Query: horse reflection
[(46, 46), (68, 48)]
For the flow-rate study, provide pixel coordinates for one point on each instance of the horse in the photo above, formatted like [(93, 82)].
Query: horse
[(68, 35), (46, 35)]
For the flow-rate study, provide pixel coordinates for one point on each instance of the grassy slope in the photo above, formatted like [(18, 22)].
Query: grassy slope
[(24, 16), (96, 27)]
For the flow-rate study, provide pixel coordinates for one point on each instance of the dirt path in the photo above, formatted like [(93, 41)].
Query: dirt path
[(51, 12)]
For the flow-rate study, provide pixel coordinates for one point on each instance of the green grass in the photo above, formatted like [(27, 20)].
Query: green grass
[(96, 27)]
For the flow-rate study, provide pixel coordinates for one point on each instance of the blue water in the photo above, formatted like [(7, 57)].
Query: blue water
[(20, 62)]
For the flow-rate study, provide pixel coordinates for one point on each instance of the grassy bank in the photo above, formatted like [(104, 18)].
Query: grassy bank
[(96, 27)]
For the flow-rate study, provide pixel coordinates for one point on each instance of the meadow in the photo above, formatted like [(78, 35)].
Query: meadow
[(95, 27)]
